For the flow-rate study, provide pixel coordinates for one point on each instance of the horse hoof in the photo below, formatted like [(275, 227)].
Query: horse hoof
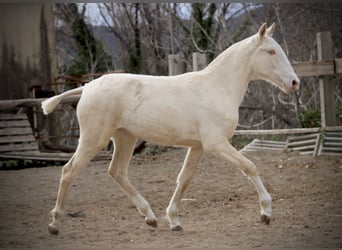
[(176, 228), (53, 229), (265, 219), (151, 222)]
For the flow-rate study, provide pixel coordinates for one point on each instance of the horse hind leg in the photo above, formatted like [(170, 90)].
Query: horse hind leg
[(85, 152), (124, 144), (57, 211), (194, 155)]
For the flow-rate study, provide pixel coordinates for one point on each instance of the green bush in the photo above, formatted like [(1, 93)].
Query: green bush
[(310, 119)]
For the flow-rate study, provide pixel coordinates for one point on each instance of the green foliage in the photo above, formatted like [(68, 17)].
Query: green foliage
[(310, 119), (92, 57)]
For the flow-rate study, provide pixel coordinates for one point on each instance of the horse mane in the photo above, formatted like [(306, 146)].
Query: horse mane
[(238, 49)]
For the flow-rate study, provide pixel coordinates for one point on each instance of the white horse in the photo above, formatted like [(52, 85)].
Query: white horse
[(198, 110)]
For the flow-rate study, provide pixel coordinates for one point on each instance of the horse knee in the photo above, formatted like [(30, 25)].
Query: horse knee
[(72, 168), (117, 174), (113, 173), (250, 169), (66, 172)]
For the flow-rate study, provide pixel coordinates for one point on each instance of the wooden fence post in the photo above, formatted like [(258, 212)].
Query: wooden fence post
[(326, 83), (199, 61), (176, 65)]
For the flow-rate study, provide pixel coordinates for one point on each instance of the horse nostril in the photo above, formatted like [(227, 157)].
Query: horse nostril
[(294, 83)]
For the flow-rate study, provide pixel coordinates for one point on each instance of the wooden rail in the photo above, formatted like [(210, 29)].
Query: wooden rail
[(10, 104), (318, 68), (286, 131)]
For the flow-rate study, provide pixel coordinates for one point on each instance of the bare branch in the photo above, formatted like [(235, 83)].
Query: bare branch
[(205, 33), (251, 19), (276, 10)]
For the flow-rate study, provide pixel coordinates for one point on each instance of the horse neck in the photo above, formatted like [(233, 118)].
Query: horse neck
[(231, 70)]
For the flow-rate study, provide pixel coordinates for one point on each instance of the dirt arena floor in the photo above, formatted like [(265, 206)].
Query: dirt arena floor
[(220, 208)]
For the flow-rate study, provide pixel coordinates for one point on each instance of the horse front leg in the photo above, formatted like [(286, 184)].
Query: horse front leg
[(230, 154), (194, 155)]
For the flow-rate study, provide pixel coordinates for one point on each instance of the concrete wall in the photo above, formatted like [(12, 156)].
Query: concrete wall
[(27, 48)]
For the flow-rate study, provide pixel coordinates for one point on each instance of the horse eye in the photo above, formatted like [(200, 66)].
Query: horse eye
[(271, 52)]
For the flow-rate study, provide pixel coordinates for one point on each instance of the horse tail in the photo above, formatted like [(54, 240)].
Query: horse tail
[(50, 104)]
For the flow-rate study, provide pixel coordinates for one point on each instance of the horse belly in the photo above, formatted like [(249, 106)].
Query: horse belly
[(163, 125)]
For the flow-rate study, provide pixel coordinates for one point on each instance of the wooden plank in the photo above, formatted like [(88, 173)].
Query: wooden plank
[(10, 116), (16, 131), (306, 142), (176, 64), (332, 149), (317, 145), (269, 142), (10, 104), (315, 68), (328, 138), (303, 148), (260, 145), (306, 153), (327, 83), (333, 128), (276, 131), (263, 148), (46, 156), (332, 135), (301, 137), (338, 65), (286, 131), (33, 156), (333, 144), (17, 138), (18, 147), (318, 68), (268, 145), (17, 123), (331, 153), (199, 61)]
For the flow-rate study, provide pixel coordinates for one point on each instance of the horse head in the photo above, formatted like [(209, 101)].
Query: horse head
[(270, 63)]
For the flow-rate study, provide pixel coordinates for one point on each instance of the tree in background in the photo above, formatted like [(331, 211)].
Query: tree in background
[(139, 29), (91, 56), (203, 17), (148, 32)]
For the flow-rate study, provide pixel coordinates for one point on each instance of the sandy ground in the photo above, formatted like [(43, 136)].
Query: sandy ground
[(220, 210)]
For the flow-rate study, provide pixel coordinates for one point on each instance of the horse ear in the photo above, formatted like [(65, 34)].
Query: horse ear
[(262, 31), (270, 29)]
